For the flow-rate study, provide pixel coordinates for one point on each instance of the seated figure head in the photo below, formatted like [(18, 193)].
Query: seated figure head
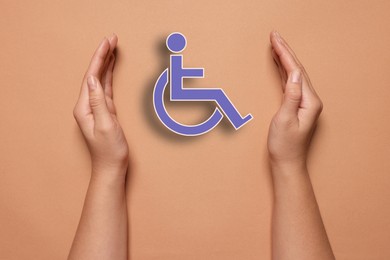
[(176, 42)]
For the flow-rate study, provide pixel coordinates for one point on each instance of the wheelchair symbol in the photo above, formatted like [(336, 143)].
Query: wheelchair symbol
[(176, 42)]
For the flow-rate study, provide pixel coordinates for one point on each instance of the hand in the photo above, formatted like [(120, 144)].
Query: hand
[(96, 115), (293, 125)]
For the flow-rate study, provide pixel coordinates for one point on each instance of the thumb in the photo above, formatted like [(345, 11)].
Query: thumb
[(97, 101), (292, 93)]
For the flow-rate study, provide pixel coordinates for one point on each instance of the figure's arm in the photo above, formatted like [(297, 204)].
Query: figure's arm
[(297, 228), (102, 230)]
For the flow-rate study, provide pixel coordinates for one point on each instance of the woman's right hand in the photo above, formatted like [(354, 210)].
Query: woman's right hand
[(294, 123)]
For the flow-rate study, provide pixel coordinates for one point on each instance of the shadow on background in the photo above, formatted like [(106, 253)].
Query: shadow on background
[(147, 103)]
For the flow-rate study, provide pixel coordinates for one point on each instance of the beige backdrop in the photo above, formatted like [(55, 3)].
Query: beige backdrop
[(207, 197)]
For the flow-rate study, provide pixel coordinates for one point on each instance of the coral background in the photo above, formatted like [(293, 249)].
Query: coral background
[(207, 197)]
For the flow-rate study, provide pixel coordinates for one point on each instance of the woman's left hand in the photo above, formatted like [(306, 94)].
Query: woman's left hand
[(96, 116)]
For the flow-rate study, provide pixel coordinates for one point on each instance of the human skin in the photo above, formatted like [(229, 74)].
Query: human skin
[(297, 228), (102, 230)]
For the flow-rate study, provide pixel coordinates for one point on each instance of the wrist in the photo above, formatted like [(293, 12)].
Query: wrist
[(116, 166), (110, 174), (288, 167), (111, 181)]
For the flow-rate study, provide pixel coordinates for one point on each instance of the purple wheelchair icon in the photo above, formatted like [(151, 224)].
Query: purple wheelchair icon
[(176, 42)]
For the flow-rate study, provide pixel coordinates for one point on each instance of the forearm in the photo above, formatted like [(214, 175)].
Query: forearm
[(297, 230), (102, 231)]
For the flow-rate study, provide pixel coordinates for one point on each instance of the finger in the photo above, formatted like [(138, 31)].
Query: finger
[(288, 58), (310, 97), (310, 113), (293, 95), (290, 50), (94, 69), (108, 79), (113, 41), (97, 102), (98, 59), (110, 106), (313, 104), (282, 72)]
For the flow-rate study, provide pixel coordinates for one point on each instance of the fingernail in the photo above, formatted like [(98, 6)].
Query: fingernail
[(91, 82), (296, 76), (278, 37), (102, 43), (111, 37)]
